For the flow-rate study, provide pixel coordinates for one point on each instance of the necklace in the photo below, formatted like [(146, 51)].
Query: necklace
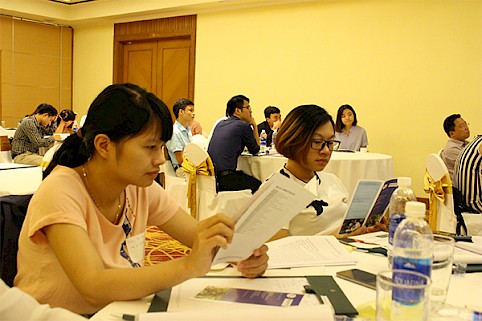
[(118, 212)]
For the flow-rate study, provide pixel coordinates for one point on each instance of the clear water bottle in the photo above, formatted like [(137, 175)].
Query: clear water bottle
[(413, 241), (262, 140), (399, 198), (273, 137)]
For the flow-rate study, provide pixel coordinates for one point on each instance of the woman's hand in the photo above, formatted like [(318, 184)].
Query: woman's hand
[(256, 264), (212, 233)]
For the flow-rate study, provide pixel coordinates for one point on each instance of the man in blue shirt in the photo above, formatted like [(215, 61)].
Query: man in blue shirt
[(228, 141), (181, 135)]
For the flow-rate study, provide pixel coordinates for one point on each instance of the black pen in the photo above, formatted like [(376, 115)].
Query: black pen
[(128, 317)]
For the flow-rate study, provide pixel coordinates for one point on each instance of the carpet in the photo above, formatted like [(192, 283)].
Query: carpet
[(160, 247)]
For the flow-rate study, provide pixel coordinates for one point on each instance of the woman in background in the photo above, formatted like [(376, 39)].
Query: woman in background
[(307, 139), (82, 243), (65, 122), (351, 136)]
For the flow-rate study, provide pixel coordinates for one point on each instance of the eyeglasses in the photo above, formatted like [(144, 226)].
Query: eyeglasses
[(320, 144), (247, 107)]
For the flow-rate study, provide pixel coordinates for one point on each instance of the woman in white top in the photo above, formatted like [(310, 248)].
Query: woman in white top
[(307, 139), (351, 136)]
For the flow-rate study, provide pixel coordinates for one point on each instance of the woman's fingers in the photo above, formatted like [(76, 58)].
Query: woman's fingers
[(256, 264)]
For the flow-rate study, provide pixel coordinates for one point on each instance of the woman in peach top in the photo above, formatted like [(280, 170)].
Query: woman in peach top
[(82, 242)]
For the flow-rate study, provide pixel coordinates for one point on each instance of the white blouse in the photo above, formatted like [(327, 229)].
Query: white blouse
[(328, 188)]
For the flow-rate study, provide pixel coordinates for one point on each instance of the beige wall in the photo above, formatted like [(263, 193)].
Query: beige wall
[(403, 65)]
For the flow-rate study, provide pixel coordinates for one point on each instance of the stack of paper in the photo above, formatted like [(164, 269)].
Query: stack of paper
[(303, 251)]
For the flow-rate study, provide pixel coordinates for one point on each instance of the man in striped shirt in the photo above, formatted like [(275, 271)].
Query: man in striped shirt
[(30, 136), (468, 174)]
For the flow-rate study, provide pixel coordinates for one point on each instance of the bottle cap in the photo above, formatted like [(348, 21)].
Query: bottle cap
[(415, 209), (404, 181)]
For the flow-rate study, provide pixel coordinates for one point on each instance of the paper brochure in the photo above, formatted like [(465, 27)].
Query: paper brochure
[(269, 209)]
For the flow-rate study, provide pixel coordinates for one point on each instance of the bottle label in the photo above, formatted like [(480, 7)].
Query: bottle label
[(395, 219), (407, 295)]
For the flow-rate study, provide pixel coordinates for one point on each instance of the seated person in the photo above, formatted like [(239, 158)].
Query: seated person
[(306, 138), (181, 136), (65, 122), (228, 141), (31, 135), (351, 136), (458, 131), (272, 122), (468, 174), (81, 245)]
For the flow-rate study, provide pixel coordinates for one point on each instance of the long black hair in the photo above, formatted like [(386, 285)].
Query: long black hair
[(120, 111)]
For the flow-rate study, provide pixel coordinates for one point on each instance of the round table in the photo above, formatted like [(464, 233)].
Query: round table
[(348, 167)]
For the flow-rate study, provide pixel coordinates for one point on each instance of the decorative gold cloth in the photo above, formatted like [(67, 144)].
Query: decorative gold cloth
[(437, 190), (205, 168)]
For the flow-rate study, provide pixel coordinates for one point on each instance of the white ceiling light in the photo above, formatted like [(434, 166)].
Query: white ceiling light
[(71, 1)]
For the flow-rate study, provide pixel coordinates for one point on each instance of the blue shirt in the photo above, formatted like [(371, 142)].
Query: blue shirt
[(181, 136), (229, 139)]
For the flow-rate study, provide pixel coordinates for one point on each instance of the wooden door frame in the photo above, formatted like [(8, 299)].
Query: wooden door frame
[(155, 30)]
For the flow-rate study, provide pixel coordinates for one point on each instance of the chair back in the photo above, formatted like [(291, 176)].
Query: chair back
[(13, 209), (200, 140), (201, 179), (439, 187)]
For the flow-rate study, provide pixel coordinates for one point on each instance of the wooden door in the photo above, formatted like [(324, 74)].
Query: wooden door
[(140, 64), (173, 70), (158, 55)]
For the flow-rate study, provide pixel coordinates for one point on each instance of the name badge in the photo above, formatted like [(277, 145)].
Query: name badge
[(135, 246)]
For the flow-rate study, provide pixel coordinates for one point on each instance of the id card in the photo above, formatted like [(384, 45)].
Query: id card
[(250, 296), (136, 246)]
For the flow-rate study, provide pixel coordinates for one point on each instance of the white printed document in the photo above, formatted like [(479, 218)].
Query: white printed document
[(304, 251), (183, 304), (268, 210)]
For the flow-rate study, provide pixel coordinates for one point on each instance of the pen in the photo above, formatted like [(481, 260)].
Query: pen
[(128, 317)]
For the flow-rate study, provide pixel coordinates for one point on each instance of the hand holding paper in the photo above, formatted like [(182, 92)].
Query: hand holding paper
[(269, 209)]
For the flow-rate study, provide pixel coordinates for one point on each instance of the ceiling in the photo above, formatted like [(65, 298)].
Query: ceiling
[(89, 12)]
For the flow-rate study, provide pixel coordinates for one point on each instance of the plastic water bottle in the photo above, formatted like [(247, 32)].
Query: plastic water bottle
[(413, 241), (262, 140), (273, 137), (412, 251), (399, 198)]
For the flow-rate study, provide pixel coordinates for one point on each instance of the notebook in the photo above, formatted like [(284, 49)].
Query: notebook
[(368, 204)]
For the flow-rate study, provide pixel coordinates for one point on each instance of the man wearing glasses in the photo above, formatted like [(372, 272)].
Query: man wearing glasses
[(228, 141)]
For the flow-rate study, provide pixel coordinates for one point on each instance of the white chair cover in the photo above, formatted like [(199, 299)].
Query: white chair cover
[(439, 185), (175, 186), (200, 140), (208, 201)]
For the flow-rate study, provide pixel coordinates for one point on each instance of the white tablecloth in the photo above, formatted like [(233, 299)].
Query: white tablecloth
[(349, 167), (463, 290), (18, 179)]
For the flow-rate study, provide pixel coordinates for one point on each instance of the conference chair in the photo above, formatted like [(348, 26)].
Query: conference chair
[(13, 209), (438, 185), (175, 186), (447, 212), (203, 200), (200, 140)]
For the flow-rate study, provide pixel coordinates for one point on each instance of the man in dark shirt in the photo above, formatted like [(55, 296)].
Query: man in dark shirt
[(272, 122), (229, 139)]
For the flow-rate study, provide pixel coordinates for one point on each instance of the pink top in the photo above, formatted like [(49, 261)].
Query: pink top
[(62, 198)]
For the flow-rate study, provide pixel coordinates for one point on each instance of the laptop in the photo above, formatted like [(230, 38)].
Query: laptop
[(368, 204)]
